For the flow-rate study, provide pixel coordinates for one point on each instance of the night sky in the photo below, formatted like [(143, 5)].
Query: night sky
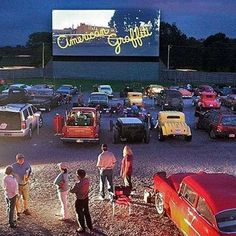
[(20, 18)]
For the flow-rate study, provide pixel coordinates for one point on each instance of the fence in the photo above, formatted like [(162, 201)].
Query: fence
[(197, 77)]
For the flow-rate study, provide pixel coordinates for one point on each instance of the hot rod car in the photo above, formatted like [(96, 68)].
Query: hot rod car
[(172, 123), (82, 124), (130, 129), (201, 204)]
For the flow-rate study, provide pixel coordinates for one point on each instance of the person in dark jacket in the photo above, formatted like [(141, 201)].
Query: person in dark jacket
[(81, 190)]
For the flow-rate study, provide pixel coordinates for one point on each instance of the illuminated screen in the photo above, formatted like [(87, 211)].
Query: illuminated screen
[(123, 32)]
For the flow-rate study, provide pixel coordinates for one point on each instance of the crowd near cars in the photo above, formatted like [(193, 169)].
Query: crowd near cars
[(195, 202), (134, 121)]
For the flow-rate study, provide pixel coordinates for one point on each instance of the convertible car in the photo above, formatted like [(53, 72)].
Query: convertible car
[(201, 203)]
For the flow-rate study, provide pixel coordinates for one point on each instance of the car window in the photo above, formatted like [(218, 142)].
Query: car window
[(226, 221), (25, 113), (204, 210), (30, 111), (189, 195)]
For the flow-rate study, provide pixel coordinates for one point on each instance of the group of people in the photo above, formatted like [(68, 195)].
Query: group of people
[(16, 186)]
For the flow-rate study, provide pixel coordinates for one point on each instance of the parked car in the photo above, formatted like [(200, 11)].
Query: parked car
[(207, 101), (134, 98), (185, 93), (172, 123), (130, 129), (19, 120), (152, 90), (201, 203), (99, 100), (222, 89), (229, 101), (106, 89), (67, 89), (133, 87), (45, 99), (169, 100), (217, 123), (14, 95), (203, 88), (13, 86), (82, 124)]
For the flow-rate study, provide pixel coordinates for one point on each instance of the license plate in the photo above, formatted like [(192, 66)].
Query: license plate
[(231, 135), (211, 105), (79, 141), (7, 134), (178, 131)]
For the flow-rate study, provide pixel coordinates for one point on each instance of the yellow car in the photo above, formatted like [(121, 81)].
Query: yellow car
[(134, 98), (172, 123)]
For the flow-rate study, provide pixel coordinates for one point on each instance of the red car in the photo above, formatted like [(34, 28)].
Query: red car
[(201, 204), (82, 125), (207, 101), (218, 123), (203, 88)]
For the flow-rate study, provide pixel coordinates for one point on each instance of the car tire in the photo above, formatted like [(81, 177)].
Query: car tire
[(160, 135), (188, 138), (146, 137), (159, 204), (111, 125), (115, 137), (30, 133), (212, 134), (40, 122)]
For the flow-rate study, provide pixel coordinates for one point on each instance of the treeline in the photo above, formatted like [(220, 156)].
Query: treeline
[(215, 53)]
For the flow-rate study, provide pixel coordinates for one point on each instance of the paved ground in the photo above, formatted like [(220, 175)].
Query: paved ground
[(172, 156)]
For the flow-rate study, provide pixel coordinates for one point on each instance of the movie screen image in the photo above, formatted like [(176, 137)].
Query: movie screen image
[(122, 32)]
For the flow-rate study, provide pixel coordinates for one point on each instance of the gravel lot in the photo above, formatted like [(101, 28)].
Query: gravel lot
[(45, 150)]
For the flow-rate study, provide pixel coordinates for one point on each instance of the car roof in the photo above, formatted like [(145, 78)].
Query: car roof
[(171, 113), (104, 86), (98, 93), (130, 120), (135, 93), (13, 107), (218, 189), (85, 109)]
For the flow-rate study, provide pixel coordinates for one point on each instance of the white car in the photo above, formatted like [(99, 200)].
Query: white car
[(24, 86), (106, 89)]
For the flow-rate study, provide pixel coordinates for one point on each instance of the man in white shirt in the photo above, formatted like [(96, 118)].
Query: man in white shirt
[(106, 163), (10, 187)]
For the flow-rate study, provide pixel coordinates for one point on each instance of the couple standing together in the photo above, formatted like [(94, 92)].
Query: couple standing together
[(106, 163)]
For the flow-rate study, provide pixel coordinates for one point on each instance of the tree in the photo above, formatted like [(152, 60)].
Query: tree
[(39, 38)]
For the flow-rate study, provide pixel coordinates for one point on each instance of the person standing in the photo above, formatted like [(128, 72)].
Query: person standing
[(62, 183), (106, 163), (10, 187), (22, 171), (127, 166), (81, 189)]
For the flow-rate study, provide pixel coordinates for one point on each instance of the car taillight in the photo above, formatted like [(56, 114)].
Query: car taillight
[(23, 125), (219, 128)]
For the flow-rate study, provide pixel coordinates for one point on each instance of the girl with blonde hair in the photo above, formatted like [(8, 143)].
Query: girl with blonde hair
[(127, 166)]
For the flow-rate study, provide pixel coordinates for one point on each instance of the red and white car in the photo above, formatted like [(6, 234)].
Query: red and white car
[(201, 204)]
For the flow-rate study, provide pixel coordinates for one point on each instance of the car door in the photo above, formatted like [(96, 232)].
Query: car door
[(182, 210), (204, 223)]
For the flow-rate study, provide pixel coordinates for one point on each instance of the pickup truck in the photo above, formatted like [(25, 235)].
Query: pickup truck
[(82, 124), (201, 203), (14, 95)]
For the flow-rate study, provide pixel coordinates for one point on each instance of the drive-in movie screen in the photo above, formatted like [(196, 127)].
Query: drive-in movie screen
[(123, 32)]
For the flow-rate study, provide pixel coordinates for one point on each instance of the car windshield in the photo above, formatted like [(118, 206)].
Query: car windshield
[(209, 96), (98, 97), (229, 120), (105, 89), (65, 87), (174, 95), (43, 93), (227, 221)]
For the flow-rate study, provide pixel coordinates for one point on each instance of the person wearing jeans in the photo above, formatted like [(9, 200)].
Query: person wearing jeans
[(81, 189), (10, 187), (62, 183), (22, 171), (106, 163)]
